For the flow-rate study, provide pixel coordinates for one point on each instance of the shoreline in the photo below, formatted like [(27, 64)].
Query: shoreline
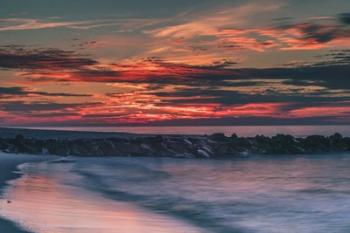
[(54, 188), (8, 166)]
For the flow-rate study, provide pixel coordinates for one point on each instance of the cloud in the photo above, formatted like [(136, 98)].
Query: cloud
[(312, 36), (319, 33), (20, 24), (28, 108), (6, 92), (58, 66), (210, 22), (40, 112), (191, 68), (140, 71), (161, 91), (344, 18), (16, 24), (17, 57), (228, 30)]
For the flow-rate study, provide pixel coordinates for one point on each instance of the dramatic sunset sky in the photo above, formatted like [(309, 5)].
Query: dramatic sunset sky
[(179, 62)]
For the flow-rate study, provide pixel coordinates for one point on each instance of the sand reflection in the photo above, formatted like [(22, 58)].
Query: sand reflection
[(40, 202)]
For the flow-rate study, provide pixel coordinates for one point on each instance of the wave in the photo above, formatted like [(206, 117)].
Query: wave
[(48, 198), (253, 195)]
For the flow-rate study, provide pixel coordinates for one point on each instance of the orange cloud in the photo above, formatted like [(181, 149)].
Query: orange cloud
[(319, 111)]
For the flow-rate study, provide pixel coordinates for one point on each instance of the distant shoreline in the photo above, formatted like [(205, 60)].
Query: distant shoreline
[(100, 144), (241, 130)]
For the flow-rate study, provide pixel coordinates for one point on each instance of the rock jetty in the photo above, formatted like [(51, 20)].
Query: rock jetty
[(184, 146)]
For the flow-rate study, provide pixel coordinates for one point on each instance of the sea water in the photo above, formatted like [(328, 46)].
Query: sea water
[(244, 131), (308, 194)]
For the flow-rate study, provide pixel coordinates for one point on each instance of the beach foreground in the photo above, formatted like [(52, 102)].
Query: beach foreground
[(8, 166), (307, 194), (47, 198)]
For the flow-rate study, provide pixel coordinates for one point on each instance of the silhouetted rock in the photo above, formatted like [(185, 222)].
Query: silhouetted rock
[(217, 137), (213, 146)]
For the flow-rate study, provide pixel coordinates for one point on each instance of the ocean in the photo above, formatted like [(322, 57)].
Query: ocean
[(276, 194), (244, 131)]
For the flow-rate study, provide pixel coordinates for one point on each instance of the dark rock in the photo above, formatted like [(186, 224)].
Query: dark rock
[(213, 146), (217, 137)]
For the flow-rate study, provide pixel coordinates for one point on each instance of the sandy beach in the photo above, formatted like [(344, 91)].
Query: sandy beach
[(8, 166), (48, 197)]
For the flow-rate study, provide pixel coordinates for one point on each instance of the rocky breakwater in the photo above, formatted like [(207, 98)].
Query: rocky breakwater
[(212, 146)]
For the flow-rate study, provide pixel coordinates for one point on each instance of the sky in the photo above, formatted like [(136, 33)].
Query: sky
[(183, 62)]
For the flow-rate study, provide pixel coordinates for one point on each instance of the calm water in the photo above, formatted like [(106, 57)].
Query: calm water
[(301, 131), (142, 195)]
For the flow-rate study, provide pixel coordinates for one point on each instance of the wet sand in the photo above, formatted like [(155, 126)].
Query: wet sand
[(48, 198), (8, 166)]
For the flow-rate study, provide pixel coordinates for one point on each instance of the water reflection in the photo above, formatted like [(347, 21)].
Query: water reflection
[(308, 194), (302, 194), (43, 202)]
